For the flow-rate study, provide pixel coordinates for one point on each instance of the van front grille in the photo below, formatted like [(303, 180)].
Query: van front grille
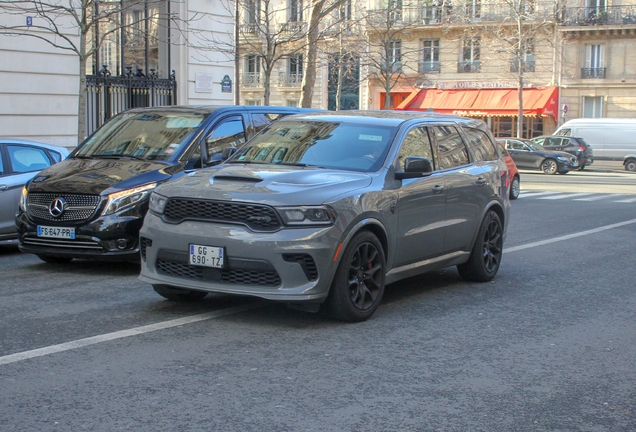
[(76, 207)]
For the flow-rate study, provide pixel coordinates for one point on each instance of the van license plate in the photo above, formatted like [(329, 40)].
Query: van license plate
[(56, 232), (207, 256)]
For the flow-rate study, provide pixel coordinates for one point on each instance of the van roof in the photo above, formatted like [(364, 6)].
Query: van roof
[(600, 120)]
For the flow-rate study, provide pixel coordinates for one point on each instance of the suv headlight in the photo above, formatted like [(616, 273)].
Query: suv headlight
[(307, 215), (23, 200), (127, 198), (157, 203)]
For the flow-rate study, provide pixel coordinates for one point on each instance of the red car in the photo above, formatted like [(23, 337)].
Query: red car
[(513, 173)]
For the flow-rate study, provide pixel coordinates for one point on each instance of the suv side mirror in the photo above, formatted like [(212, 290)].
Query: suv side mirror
[(415, 167)]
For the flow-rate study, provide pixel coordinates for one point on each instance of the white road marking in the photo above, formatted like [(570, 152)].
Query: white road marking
[(569, 236), (531, 194), (628, 200), (567, 195), (596, 198), (79, 343)]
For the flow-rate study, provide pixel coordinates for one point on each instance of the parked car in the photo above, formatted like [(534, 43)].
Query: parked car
[(611, 138), (513, 172), (573, 145), (92, 204), (330, 207), (20, 161), (532, 156)]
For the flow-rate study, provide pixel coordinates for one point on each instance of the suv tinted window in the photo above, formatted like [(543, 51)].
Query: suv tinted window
[(480, 145), (552, 142), (416, 143), (452, 151)]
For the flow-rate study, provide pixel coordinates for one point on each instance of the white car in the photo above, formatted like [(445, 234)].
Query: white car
[(20, 161)]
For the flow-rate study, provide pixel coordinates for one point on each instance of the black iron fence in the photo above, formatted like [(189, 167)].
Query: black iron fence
[(107, 95)]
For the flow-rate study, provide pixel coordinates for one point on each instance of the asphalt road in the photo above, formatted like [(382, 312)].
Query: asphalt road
[(549, 345)]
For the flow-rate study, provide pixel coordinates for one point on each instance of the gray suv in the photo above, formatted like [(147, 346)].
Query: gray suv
[(328, 208)]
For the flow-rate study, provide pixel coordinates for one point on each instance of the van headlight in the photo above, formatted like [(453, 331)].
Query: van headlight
[(24, 204), (307, 215), (127, 198)]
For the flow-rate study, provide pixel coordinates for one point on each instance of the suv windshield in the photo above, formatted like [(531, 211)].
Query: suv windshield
[(346, 146), (147, 136)]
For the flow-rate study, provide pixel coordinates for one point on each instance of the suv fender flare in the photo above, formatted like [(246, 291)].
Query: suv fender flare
[(369, 224), (497, 207)]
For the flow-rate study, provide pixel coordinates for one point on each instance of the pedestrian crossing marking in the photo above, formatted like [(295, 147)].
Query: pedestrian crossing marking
[(555, 197), (596, 198), (582, 196)]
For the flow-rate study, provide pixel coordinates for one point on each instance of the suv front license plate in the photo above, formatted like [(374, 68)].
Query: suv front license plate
[(207, 256), (56, 232)]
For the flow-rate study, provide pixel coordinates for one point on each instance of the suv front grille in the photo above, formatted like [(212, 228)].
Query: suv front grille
[(77, 208), (257, 217), (229, 276)]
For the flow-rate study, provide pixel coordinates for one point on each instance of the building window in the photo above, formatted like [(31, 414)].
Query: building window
[(252, 102), (470, 55), (395, 10), (252, 11), (594, 61), (429, 60), (292, 103), (527, 57), (252, 64), (472, 8), (295, 10), (252, 71), (592, 106), (344, 12), (296, 64), (395, 51)]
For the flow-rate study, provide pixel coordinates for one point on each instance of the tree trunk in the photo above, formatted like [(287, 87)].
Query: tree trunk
[(267, 76), (309, 75)]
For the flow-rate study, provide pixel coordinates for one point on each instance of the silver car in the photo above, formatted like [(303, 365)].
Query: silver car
[(20, 161), (328, 208)]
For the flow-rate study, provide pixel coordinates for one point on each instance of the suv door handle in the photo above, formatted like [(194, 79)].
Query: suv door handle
[(438, 189), (481, 181)]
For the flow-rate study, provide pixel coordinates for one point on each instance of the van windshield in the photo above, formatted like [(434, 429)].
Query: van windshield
[(138, 135)]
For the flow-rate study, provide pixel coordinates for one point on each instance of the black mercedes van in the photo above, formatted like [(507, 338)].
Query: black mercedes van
[(92, 204)]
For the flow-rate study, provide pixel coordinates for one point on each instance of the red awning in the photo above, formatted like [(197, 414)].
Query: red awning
[(484, 102)]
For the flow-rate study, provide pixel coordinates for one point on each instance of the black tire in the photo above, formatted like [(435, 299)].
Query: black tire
[(485, 257), (549, 166), (178, 294), (51, 259), (358, 285), (515, 188), (630, 165)]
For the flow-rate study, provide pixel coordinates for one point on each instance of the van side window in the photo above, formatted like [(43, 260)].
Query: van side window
[(565, 132), (416, 143), (452, 150), (482, 148)]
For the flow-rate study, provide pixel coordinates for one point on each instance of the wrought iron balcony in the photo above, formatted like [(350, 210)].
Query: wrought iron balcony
[(251, 29), (289, 80), (468, 66), (593, 72), (251, 79), (526, 66), (294, 27), (429, 67), (609, 15)]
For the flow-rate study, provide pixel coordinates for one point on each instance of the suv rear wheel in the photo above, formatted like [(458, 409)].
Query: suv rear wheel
[(484, 260), (630, 165)]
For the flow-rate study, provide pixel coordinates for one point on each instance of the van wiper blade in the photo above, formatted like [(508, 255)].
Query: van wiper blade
[(118, 156)]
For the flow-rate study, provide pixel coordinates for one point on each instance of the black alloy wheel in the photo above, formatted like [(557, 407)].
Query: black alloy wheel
[(358, 285), (485, 257)]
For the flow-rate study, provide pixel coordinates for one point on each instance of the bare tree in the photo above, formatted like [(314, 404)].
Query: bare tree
[(524, 24), (386, 60), (78, 26)]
